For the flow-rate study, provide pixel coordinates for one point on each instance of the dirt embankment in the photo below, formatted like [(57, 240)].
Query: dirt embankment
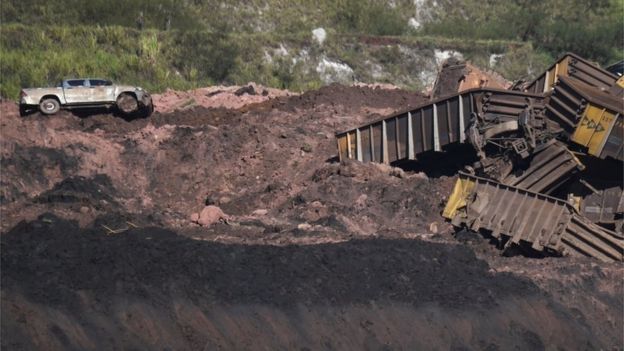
[(314, 255)]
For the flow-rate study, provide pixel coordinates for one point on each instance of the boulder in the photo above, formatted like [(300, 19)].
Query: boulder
[(210, 215), (260, 212)]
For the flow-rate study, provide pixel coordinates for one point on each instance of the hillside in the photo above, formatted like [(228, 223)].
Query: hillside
[(295, 45)]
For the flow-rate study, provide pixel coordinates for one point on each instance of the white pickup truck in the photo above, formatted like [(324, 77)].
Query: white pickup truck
[(86, 93)]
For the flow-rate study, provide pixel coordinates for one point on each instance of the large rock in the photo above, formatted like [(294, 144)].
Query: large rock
[(209, 215)]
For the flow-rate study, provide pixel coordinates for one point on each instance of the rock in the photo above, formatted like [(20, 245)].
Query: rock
[(420, 175), (433, 227), (260, 212), (195, 217), (413, 23), (84, 209), (304, 226), (361, 201), (397, 172), (249, 90), (224, 200), (211, 215), (320, 35), (316, 204)]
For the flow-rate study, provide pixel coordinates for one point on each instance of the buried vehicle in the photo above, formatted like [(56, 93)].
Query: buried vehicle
[(551, 158), (86, 93)]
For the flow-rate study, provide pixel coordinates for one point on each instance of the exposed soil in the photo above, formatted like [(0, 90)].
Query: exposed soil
[(215, 96), (99, 250)]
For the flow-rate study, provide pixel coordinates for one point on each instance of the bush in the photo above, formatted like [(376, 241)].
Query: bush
[(210, 55), (368, 17)]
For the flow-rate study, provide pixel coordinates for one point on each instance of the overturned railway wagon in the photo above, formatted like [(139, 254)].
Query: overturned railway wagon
[(431, 127), (576, 67), (534, 143), (522, 216)]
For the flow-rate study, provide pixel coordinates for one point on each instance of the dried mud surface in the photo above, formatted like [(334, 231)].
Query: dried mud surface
[(98, 250)]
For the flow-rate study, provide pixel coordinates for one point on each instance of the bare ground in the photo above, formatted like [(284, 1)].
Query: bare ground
[(315, 254)]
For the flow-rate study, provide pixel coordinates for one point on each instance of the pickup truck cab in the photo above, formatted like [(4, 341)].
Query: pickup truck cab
[(86, 93)]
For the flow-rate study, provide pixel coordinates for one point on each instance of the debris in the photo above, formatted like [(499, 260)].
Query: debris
[(249, 90), (260, 212), (524, 140), (433, 227), (304, 226)]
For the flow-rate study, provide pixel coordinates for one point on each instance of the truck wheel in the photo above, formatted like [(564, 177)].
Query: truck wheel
[(49, 106), (127, 103)]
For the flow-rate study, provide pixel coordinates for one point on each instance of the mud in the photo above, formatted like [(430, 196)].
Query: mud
[(99, 251), (82, 286)]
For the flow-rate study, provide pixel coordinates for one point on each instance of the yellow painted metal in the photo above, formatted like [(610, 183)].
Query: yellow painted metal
[(463, 188), (559, 69), (594, 128), (575, 201)]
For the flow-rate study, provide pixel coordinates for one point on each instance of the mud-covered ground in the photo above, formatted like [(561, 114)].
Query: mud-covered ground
[(99, 250)]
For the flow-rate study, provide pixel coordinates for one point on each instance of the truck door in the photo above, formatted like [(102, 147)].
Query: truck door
[(101, 90), (76, 91)]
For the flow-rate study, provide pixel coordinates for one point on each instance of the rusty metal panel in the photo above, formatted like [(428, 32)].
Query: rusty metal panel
[(427, 127), (418, 138), (367, 146), (343, 152), (603, 206), (549, 168), (377, 143), (444, 123), (571, 65), (519, 215), (584, 237), (454, 119), (402, 134), (391, 137), (614, 146)]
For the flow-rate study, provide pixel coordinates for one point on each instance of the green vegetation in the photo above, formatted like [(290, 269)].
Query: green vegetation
[(592, 29), (34, 56), (189, 43)]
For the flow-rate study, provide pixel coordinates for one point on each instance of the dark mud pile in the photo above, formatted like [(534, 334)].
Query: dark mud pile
[(70, 288), (98, 250)]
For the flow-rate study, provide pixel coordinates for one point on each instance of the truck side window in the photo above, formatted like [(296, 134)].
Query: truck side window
[(97, 82), (75, 83)]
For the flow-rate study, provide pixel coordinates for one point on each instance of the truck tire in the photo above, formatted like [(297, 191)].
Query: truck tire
[(127, 103), (49, 106)]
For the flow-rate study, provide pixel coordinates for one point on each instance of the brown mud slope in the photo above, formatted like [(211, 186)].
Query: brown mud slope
[(314, 255)]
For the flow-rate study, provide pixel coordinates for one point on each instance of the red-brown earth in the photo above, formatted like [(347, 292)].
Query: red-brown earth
[(98, 249)]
